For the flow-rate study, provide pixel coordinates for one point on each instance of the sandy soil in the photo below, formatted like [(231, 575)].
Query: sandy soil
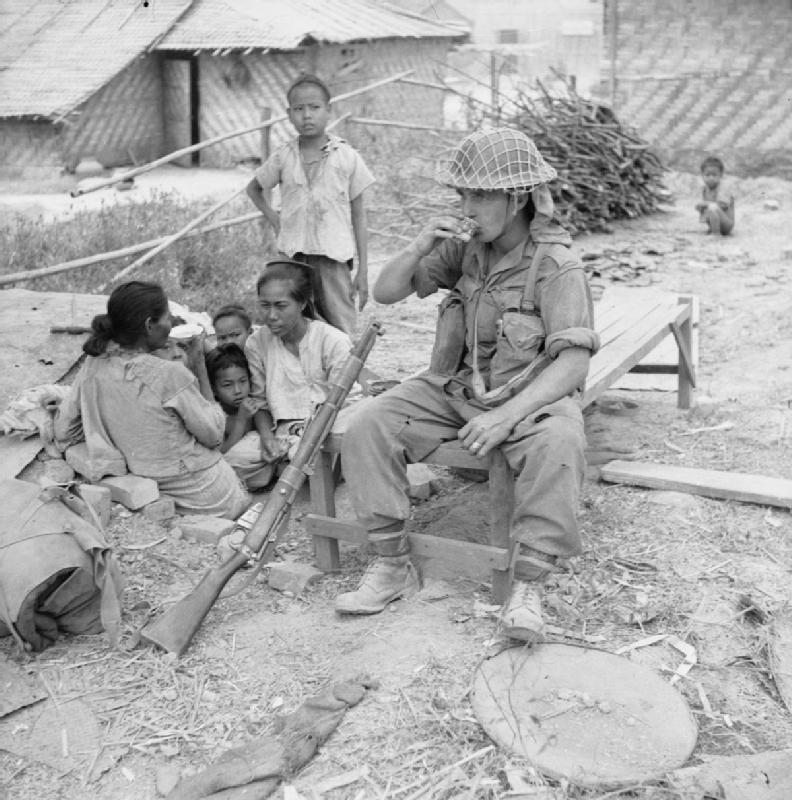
[(705, 561)]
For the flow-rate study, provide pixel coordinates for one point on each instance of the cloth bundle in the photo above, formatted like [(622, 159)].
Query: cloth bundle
[(30, 413), (253, 771), (57, 573)]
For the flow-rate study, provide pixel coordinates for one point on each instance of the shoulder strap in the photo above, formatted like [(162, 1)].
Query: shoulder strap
[(528, 303)]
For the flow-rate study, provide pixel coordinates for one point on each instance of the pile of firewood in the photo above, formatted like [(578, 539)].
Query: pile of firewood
[(605, 170)]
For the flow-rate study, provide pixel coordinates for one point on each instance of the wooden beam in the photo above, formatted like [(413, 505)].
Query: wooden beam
[(456, 557), (453, 558), (345, 530), (739, 486)]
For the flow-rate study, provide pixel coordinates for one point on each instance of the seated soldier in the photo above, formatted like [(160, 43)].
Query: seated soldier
[(514, 340)]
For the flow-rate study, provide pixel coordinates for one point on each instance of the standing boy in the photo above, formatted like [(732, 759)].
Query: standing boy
[(717, 214), (322, 221)]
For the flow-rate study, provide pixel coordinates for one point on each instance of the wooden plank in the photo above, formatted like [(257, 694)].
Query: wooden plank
[(779, 649), (627, 318), (451, 558), (707, 482), (459, 557), (617, 359), (347, 530)]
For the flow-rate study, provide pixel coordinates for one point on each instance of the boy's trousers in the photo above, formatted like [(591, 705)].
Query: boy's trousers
[(546, 452), (332, 288)]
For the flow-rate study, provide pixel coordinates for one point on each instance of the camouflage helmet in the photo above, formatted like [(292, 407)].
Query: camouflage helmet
[(496, 158)]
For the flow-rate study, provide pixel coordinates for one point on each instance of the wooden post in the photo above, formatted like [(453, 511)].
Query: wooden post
[(495, 85), (687, 354), (613, 46), (266, 115), (501, 490), (322, 483)]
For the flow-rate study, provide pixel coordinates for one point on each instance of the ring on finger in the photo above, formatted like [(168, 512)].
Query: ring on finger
[(475, 446)]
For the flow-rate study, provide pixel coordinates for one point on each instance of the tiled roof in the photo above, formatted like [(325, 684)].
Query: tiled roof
[(288, 24), (54, 54)]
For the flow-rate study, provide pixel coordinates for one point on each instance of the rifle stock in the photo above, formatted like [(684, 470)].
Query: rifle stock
[(174, 630)]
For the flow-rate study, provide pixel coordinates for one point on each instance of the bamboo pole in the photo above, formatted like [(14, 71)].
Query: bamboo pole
[(169, 240), (215, 140), (113, 255), (409, 125)]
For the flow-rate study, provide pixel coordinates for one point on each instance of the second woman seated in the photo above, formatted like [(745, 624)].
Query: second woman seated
[(290, 360)]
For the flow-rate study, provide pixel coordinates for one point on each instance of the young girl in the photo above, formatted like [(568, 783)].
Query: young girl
[(229, 375), (293, 355)]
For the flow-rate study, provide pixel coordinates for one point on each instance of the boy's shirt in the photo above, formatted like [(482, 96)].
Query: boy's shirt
[(315, 213)]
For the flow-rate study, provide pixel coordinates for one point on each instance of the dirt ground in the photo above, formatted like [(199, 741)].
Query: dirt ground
[(712, 573)]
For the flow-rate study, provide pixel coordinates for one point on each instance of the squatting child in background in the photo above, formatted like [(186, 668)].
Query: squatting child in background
[(232, 325), (322, 220), (229, 377), (718, 214)]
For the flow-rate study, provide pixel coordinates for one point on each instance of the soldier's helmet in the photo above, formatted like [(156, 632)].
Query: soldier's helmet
[(496, 158)]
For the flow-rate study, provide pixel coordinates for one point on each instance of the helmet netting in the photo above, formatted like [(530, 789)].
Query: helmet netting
[(499, 158)]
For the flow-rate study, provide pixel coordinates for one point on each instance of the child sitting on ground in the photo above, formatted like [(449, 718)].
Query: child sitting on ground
[(229, 377), (232, 325), (717, 214), (322, 221)]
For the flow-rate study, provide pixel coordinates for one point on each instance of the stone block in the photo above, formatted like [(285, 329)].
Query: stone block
[(292, 576), (203, 528), (421, 479), (77, 457), (58, 471), (132, 491), (99, 498), (160, 510)]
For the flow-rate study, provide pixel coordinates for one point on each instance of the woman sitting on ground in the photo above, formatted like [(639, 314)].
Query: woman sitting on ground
[(146, 415), (292, 356)]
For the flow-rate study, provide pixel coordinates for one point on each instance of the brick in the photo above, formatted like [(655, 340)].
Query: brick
[(99, 498), (160, 510), (77, 458), (202, 528), (292, 576), (131, 491), (421, 479), (58, 471)]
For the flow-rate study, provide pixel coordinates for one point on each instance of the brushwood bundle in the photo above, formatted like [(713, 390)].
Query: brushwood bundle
[(605, 170)]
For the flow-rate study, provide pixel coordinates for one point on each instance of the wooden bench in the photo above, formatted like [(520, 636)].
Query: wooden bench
[(628, 333)]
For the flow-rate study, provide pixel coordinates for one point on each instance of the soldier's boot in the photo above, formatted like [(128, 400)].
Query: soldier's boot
[(521, 615), (390, 576)]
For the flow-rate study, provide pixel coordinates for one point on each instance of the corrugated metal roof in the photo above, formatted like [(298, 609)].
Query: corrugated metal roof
[(54, 54), (288, 24)]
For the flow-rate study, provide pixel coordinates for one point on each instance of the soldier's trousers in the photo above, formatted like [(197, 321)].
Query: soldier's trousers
[(546, 452)]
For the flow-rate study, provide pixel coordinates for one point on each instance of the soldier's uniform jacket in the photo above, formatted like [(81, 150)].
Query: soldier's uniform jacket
[(534, 301)]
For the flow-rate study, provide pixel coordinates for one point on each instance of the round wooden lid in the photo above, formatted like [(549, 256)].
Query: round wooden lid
[(592, 717)]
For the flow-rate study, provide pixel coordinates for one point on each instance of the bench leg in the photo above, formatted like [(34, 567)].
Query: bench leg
[(686, 379), (501, 491), (322, 483)]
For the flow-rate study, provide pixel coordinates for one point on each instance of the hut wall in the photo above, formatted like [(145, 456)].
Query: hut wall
[(28, 144), (698, 76), (349, 66), (234, 89), (122, 122)]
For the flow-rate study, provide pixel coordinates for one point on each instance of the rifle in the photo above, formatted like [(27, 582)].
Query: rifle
[(174, 630)]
